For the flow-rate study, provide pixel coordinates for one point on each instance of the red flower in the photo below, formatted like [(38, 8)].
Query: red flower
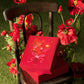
[(20, 51), (21, 55), (62, 26), (31, 31), (66, 34), (15, 33), (72, 35), (10, 34), (76, 42), (75, 6), (20, 19), (65, 40), (39, 33), (78, 69), (28, 19), (11, 62), (13, 70), (61, 53), (8, 48), (33, 28), (69, 22), (12, 66), (60, 9), (19, 1), (3, 33), (21, 28)]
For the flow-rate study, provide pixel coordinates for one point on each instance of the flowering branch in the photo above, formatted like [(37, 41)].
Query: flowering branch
[(60, 12)]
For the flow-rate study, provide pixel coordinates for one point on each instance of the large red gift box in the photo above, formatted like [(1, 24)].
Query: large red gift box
[(40, 57), (61, 68)]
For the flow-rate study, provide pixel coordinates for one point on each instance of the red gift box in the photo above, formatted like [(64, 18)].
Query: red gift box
[(61, 67), (40, 57)]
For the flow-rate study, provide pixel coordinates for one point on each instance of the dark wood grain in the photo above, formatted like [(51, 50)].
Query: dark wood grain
[(65, 78), (13, 12), (16, 51), (51, 24)]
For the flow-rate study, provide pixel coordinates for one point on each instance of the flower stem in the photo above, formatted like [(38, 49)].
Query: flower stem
[(73, 57), (75, 18), (62, 17), (3, 48)]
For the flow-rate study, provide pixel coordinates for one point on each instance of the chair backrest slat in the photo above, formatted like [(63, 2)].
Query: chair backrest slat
[(51, 24), (13, 12)]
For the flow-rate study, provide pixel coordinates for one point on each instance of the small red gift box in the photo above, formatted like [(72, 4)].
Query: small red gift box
[(40, 56)]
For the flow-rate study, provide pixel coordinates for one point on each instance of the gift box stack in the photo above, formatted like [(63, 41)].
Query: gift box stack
[(40, 59)]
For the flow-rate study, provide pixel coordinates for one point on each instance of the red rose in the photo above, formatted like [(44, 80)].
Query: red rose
[(19, 1), (78, 69), (60, 9), (28, 19), (12, 66), (3, 33), (66, 34), (69, 22), (20, 19), (75, 6)]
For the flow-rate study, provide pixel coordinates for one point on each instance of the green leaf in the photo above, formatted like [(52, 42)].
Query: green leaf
[(78, 25)]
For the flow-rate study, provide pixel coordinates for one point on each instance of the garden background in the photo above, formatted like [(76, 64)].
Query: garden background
[(5, 56)]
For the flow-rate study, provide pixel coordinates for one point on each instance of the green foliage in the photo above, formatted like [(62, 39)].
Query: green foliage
[(78, 25)]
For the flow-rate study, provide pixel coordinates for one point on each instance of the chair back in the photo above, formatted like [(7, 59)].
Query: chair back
[(24, 9)]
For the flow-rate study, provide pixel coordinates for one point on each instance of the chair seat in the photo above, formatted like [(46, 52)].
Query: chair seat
[(60, 79), (67, 77)]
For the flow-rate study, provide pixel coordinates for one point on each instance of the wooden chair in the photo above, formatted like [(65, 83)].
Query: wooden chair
[(33, 7)]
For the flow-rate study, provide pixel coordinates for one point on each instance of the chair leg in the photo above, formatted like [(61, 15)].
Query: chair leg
[(19, 80)]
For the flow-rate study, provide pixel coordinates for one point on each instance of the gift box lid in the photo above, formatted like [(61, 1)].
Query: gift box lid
[(39, 54)]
